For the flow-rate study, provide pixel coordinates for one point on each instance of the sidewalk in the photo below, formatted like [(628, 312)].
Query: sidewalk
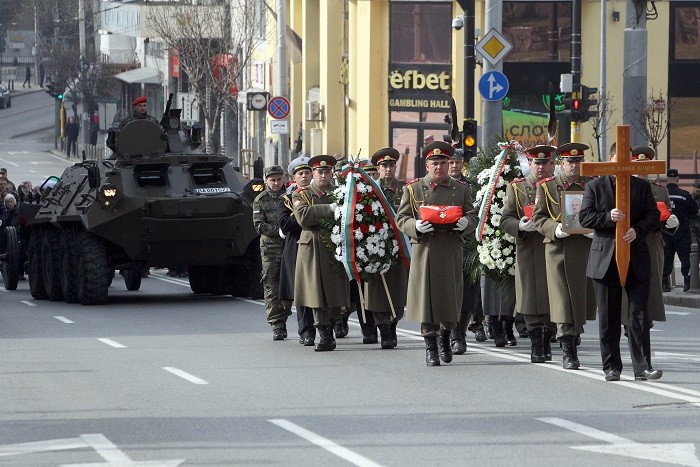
[(676, 297)]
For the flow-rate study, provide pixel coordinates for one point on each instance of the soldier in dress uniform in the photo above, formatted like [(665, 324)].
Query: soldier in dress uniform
[(139, 112), (300, 170), (435, 278), (265, 220), (571, 293), (471, 316), (317, 284), (386, 314), (655, 310), (531, 293)]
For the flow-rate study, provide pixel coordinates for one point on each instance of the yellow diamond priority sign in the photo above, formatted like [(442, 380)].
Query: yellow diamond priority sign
[(493, 47)]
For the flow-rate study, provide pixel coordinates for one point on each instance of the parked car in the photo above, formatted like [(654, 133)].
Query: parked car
[(5, 100)]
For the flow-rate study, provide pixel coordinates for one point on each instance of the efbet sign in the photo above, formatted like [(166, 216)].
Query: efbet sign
[(420, 80)]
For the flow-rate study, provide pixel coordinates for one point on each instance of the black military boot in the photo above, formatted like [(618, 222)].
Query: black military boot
[(457, 341), (499, 337), (339, 329), (443, 342), (507, 324), (431, 351), (665, 284), (570, 359), (547, 344), (686, 283), (385, 333), (326, 341), (536, 346), (394, 337)]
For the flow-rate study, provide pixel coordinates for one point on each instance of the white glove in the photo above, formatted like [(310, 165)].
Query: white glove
[(590, 235), (559, 233), (672, 222), (424, 227), (282, 234), (462, 224), (333, 206), (526, 225)]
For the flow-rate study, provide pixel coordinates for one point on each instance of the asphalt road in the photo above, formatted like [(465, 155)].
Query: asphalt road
[(161, 374)]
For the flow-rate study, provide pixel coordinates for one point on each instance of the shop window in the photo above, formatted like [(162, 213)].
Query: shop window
[(686, 40), (538, 31), (421, 33), (684, 137)]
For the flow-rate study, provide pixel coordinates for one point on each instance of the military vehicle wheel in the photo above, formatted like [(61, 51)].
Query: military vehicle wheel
[(93, 270), (200, 278), (132, 278), (247, 281), (52, 263), (69, 266), (10, 258), (36, 272)]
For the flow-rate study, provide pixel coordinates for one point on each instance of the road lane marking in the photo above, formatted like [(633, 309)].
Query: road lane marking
[(32, 171), (8, 162), (184, 375), (42, 446), (669, 453), (661, 389), (63, 319), (28, 303), (325, 443), (679, 313), (114, 344)]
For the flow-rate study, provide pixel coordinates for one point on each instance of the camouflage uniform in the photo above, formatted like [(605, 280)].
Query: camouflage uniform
[(136, 116), (267, 225)]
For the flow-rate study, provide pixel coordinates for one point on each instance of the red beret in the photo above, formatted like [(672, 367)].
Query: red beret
[(140, 100)]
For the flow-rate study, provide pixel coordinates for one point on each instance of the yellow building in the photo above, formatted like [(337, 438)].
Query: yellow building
[(377, 73)]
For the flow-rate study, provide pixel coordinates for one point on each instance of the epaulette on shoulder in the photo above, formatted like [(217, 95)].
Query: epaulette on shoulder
[(413, 181), (299, 190), (545, 180), (518, 180)]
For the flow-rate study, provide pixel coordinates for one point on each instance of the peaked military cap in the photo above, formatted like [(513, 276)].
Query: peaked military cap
[(385, 155), (642, 153), (438, 150), (324, 161), (572, 150), (300, 163), (540, 153)]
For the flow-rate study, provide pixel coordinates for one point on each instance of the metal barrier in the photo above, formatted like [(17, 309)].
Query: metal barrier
[(92, 152)]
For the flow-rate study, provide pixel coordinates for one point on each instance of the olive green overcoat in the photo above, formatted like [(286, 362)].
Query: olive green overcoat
[(435, 279), (571, 293), (317, 282), (531, 293)]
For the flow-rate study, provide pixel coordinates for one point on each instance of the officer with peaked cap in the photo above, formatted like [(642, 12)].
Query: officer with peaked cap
[(571, 293), (300, 171), (317, 284), (386, 314), (435, 277), (531, 292), (271, 246)]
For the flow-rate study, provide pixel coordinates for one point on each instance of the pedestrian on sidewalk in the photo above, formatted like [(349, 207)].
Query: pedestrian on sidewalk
[(42, 74), (27, 77), (72, 131)]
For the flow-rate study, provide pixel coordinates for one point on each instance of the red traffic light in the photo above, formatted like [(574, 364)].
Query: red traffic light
[(576, 104)]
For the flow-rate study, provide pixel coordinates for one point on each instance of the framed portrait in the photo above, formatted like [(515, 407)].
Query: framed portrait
[(570, 207)]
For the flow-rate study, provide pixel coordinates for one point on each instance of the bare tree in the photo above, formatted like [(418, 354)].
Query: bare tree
[(603, 108), (213, 45), (652, 119)]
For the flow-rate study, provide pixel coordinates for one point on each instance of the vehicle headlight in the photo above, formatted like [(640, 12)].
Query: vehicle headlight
[(109, 195)]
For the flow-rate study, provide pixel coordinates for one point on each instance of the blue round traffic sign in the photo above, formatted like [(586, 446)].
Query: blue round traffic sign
[(278, 107), (493, 86)]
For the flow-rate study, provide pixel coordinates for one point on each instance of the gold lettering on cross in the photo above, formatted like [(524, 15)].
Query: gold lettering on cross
[(622, 169)]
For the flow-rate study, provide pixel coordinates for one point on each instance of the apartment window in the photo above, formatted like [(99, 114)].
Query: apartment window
[(538, 31), (421, 33)]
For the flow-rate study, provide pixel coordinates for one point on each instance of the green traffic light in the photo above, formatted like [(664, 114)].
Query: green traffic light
[(60, 97)]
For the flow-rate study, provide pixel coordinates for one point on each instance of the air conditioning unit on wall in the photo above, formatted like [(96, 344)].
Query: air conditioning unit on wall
[(314, 111)]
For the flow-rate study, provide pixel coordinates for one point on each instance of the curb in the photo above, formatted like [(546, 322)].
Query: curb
[(682, 299)]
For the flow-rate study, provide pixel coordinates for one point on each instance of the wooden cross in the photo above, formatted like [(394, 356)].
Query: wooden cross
[(623, 168)]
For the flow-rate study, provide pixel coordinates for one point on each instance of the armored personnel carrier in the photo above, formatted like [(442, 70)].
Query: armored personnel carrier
[(157, 201)]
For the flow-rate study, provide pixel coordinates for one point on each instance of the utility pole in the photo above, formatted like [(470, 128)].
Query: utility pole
[(281, 81), (469, 57), (603, 119), (85, 122), (575, 63), (634, 76), (493, 111)]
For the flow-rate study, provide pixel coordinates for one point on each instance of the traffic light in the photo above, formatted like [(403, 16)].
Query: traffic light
[(573, 108), (589, 104), (469, 139)]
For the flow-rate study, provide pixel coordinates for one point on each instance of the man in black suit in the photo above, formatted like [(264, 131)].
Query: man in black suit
[(598, 212)]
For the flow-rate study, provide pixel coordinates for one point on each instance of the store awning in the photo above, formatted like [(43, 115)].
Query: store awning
[(139, 75)]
